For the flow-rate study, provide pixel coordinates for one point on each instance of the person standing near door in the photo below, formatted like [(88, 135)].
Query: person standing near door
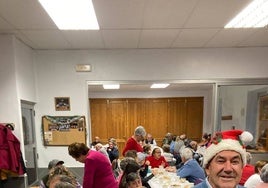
[(133, 143)]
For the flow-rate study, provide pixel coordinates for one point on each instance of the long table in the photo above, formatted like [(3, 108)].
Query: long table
[(169, 180)]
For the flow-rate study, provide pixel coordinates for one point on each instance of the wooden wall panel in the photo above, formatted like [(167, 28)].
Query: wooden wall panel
[(119, 117), (194, 118), (156, 118), (117, 127), (177, 116), (135, 114), (98, 117)]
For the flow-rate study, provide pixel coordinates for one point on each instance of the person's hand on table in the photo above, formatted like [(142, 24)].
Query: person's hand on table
[(171, 169)]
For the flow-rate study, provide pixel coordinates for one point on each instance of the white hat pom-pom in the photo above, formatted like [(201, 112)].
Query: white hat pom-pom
[(246, 137)]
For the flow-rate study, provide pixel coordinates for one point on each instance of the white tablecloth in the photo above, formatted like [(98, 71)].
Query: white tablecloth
[(169, 180)]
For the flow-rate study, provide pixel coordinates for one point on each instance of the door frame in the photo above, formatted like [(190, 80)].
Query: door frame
[(30, 106)]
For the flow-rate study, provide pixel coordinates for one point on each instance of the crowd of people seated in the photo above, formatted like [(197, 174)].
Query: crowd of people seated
[(195, 161)]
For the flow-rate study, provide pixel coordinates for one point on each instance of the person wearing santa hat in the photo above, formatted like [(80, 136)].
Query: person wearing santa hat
[(224, 159)]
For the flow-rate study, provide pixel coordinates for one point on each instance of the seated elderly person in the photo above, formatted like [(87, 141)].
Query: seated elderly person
[(53, 163), (96, 141), (156, 159), (264, 177), (248, 170), (61, 173), (150, 140), (190, 169), (255, 179), (65, 181), (169, 157), (99, 147)]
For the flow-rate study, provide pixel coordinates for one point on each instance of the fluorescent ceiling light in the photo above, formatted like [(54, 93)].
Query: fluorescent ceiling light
[(253, 16), (111, 86), (159, 85), (71, 14)]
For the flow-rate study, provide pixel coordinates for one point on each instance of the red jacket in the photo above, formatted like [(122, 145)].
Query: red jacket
[(132, 144), (155, 163), (10, 153), (248, 170)]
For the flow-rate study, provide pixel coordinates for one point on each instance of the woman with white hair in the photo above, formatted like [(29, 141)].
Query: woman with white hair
[(190, 169), (255, 179), (264, 177), (133, 141)]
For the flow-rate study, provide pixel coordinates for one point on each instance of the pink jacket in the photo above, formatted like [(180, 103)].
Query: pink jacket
[(98, 171)]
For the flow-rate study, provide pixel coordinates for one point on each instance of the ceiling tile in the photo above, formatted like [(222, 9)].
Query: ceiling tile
[(229, 37), (47, 39), (167, 14), (24, 39), (26, 14), (84, 39), (134, 24), (194, 37), (4, 25), (121, 38), (215, 13), (120, 14), (157, 38)]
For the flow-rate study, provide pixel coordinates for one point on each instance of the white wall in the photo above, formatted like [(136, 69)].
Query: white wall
[(234, 103), (56, 76), (25, 75), (9, 110), (53, 75), (16, 81)]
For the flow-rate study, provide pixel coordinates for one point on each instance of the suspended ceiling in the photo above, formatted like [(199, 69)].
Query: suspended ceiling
[(135, 24)]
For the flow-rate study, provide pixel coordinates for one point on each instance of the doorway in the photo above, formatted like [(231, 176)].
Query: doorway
[(27, 113)]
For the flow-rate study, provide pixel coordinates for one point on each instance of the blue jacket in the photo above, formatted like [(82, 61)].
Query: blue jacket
[(192, 171), (204, 185)]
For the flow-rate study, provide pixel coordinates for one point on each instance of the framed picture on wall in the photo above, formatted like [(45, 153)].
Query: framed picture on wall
[(62, 104)]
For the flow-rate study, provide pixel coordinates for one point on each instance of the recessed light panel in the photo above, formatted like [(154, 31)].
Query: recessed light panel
[(159, 85), (255, 15), (111, 86), (72, 14)]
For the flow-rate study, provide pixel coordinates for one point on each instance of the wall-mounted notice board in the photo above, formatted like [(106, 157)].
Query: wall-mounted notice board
[(63, 130)]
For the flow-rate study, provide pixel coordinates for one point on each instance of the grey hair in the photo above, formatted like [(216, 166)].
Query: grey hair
[(187, 153), (249, 157), (63, 184), (140, 131), (264, 173)]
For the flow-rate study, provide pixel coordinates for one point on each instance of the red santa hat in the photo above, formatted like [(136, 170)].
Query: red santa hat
[(228, 140)]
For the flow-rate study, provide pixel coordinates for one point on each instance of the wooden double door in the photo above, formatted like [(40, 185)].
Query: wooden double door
[(118, 118)]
